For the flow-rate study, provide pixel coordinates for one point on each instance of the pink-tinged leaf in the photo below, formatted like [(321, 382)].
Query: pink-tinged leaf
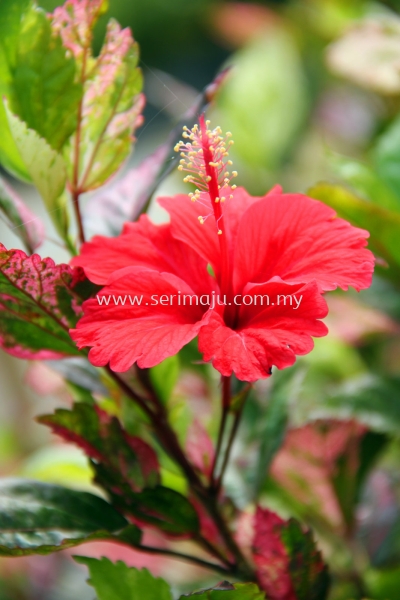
[(125, 199), (24, 223), (128, 463), (288, 564), (312, 460), (271, 557), (199, 448), (39, 302), (126, 467), (352, 321), (74, 21), (122, 200), (112, 103)]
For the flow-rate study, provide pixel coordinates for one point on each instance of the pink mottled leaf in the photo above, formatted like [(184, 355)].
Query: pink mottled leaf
[(314, 464), (74, 21), (288, 564), (112, 102), (27, 226), (128, 461), (39, 302)]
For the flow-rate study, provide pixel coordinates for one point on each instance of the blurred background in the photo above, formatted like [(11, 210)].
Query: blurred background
[(313, 96)]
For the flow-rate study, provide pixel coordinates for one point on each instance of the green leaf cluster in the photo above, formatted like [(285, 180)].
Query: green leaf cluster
[(126, 468), (113, 581), (38, 518)]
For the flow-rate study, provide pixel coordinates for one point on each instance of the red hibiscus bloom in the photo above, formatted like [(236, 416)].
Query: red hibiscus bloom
[(256, 247)]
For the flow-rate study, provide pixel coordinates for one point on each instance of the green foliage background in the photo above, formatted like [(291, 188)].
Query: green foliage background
[(296, 123)]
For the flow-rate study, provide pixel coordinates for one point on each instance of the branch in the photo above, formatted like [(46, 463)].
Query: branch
[(171, 444), (186, 557), (78, 216), (75, 191), (226, 401), (232, 436)]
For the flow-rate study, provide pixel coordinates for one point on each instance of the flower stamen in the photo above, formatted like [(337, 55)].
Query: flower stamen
[(195, 162)]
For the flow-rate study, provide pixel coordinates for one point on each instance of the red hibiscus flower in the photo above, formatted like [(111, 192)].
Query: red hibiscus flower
[(246, 254)]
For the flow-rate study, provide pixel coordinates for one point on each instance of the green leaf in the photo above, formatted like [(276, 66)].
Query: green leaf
[(46, 169), (286, 385), (366, 182), (370, 399), (11, 14), (269, 66), (116, 581), (383, 584), (386, 157), (19, 218), (164, 377), (160, 507), (127, 461), (45, 93), (38, 518), (38, 79), (384, 225), (226, 591), (39, 303)]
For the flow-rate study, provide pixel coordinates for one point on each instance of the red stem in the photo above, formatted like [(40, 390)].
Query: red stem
[(226, 400)]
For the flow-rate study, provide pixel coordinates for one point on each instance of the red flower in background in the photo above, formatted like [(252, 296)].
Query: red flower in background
[(276, 245)]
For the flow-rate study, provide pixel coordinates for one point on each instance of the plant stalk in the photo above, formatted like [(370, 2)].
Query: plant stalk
[(171, 444)]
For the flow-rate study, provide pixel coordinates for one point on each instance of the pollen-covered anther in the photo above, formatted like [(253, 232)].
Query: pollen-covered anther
[(219, 231), (204, 153)]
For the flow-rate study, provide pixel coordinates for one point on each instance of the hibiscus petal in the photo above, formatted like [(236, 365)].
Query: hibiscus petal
[(300, 239), (146, 331), (143, 244), (265, 336), (203, 238)]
